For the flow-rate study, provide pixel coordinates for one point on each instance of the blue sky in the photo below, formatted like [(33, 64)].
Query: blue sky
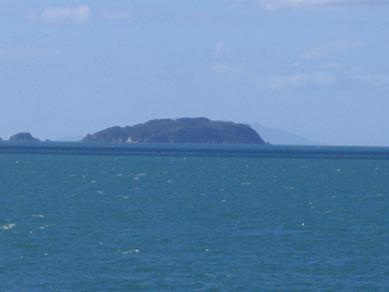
[(318, 68)]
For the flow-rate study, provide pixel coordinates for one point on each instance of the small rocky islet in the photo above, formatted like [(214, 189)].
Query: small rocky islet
[(23, 137)]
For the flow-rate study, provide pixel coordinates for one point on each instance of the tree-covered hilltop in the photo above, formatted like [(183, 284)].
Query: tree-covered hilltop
[(23, 137), (183, 130)]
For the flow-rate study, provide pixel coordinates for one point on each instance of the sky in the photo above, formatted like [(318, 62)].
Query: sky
[(317, 68)]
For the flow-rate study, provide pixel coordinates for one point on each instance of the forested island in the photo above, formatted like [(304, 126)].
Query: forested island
[(182, 130)]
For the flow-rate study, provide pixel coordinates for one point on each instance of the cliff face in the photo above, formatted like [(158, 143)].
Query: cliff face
[(23, 137), (184, 130)]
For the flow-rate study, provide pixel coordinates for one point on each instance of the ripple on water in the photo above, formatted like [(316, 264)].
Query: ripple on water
[(43, 227), (139, 175)]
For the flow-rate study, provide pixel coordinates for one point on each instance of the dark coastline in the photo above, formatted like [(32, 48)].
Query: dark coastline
[(192, 150)]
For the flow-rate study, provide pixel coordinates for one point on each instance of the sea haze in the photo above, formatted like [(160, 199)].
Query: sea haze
[(281, 137), (180, 223)]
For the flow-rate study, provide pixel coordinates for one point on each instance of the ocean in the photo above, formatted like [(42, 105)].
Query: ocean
[(188, 218)]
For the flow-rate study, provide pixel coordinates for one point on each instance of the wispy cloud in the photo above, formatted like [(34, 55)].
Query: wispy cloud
[(63, 14), (225, 69), (376, 80), (117, 15), (296, 80), (26, 51), (220, 49), (317, 67), (280, 4), (330, 49)]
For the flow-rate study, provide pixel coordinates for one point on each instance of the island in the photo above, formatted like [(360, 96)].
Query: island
[(23, 137), (182, 130)]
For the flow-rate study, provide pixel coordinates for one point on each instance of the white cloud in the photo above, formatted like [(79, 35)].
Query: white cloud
[(295, 80), (330, 49), (279, 4), (117, 15), (63, 14), (324, 76), (315, 68), (323, 79), (376, 80), (225, 69), (220, 49), (26, 51), (331, 66)]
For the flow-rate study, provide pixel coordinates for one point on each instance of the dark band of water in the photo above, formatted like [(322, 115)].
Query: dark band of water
[(260, 151)]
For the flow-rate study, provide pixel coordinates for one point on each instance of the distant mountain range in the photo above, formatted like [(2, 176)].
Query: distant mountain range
[(281, 137)]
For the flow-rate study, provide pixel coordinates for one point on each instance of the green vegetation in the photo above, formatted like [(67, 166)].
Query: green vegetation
[(183, 130)]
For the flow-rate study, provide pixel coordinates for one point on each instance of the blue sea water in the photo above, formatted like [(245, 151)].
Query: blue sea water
[(180, 222)]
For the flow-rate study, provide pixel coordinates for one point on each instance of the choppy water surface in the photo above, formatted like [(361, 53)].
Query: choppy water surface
[(119, 223)]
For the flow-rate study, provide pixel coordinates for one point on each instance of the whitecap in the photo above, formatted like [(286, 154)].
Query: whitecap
[(38, 216), (140, 174), (39, 228), (130, 251), (8, 226)]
